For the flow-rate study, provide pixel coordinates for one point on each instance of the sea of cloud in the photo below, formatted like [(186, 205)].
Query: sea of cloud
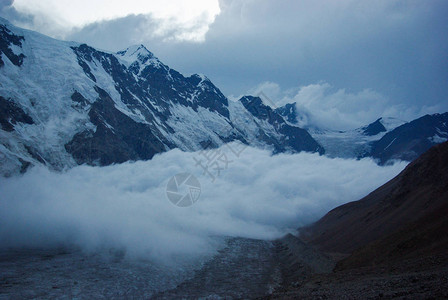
[(125, 206)]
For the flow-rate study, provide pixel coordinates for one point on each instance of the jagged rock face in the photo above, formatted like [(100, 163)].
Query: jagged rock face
[(374, 128), (290, 137), (289, 112), (410, 140), (117, 137), (7, 41), (65, 103), (11, 114)]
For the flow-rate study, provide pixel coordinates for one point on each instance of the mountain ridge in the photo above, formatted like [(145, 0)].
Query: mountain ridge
[(95, 107), (61, 102), (386, 139)]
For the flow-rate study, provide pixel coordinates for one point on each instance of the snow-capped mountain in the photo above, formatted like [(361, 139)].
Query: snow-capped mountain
[(385, 139), (410, 140), (65, 103), (354, 143)]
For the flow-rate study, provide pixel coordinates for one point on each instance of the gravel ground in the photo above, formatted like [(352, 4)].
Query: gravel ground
[(418, 278), (62, 274), (242, 269)]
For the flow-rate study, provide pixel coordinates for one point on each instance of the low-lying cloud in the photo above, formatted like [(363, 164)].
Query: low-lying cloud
[(125, 206)]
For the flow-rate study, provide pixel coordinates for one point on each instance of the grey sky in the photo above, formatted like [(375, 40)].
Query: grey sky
[(396, 48)]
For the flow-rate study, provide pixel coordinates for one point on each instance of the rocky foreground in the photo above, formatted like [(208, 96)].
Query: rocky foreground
[(244, 268), (391, 244)]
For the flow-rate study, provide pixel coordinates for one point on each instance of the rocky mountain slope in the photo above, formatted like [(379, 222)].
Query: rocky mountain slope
[(410, 140), (391, 244), (64, 103), (419, 191)]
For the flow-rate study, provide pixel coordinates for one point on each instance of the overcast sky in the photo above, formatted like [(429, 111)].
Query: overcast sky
[(380, 57)]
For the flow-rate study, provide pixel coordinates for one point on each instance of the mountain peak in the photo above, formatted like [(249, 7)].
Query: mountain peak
[(256, 106), (289, 112), (135, 53), (197, 79), (135, 49), (252, 100), (374, 128), (391, 123)]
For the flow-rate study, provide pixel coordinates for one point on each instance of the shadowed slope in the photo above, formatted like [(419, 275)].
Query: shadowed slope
[(404, 217)]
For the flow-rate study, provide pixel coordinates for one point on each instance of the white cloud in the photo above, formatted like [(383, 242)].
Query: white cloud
[(125, 206), (321, 105), (269, 88), (190, 20), (339, 109)]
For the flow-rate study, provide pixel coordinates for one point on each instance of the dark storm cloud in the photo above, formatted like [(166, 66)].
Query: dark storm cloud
[(394, 47)]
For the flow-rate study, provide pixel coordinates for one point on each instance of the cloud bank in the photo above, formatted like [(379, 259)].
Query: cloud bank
[(323, 106), (125, 206), (187, 20)]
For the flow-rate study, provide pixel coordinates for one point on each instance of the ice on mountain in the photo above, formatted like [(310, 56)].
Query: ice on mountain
[(176, 111)]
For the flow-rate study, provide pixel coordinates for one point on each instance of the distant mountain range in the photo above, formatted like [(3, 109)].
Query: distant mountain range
[(63, 104), (385, 140)]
